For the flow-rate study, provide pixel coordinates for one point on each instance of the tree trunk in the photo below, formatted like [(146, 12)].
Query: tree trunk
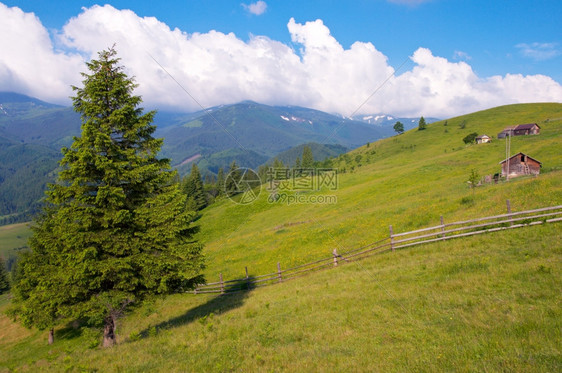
[(51, 336), (109, 331)]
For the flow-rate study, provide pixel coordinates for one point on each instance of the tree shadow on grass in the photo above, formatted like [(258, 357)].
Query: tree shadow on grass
[(234, 297), (69, 331)]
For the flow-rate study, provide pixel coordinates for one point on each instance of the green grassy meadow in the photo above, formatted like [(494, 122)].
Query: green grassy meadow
[(13, 240), (406, 181), (484, 303)]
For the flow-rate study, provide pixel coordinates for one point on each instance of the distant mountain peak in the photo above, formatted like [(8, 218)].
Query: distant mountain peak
[(18, 98)]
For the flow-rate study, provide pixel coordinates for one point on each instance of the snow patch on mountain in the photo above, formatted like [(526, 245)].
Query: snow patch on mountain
[(292, 118)]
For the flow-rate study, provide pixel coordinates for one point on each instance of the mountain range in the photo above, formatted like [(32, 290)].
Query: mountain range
[(385, 120), (32, 132)]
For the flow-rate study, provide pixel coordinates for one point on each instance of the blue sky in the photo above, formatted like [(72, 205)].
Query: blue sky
[(493, 38)]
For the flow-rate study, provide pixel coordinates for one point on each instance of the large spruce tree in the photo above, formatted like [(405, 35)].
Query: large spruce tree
[(115, 230)]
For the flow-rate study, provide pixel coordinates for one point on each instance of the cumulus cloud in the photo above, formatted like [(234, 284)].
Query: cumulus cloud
[(257, 8), (218, 68), (29, 62), (539, 51)]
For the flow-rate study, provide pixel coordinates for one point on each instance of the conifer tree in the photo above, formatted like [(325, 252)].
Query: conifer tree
[(115, 230), (220, 182), (278, 164), (232, 178), (307, 157), (421, 124), (298, 163), (193, 188)]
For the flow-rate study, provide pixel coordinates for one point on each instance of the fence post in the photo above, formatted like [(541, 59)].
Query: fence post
[(442, 226), (222, 283), (279, 271), (335, 254), (509, 210), (391, 238)]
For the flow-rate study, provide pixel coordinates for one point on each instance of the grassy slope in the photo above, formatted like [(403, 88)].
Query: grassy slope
[(488, 303), (408, 182), (13, 238), (482, 303)]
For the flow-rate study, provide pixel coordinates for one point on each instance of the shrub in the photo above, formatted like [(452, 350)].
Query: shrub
[(468, 139)]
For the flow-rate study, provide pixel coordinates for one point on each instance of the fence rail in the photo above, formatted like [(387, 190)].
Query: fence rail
[(441, 232)]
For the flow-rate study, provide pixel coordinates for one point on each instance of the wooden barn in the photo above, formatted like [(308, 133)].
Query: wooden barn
[(483, 139), (520, 164), (520, 130), (526, 129), (506, 131)]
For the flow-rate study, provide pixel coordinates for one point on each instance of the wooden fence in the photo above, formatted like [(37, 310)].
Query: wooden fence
[(394, 241)]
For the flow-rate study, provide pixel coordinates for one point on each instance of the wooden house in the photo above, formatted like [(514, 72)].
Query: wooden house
[(482, 139), (520, 164), (520, 130), (506, 131), (526, 129)]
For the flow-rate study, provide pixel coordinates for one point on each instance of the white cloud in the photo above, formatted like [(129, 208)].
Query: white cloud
[(29, 62), (539, 51), (257, 8), (462, 56), (218, 68)]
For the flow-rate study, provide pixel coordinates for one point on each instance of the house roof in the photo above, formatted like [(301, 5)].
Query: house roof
[(513, 156), (527, 126), (509, 128), (482, 136)]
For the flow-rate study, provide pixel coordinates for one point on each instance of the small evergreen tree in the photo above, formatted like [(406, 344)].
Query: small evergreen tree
[(115, 230), (232, 179), (193, 188), (421, 124), (209, 179), (307, 157), (277, 163), (298, 163), (398, 127), (4, 282), (297, 169), (220, 182)]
